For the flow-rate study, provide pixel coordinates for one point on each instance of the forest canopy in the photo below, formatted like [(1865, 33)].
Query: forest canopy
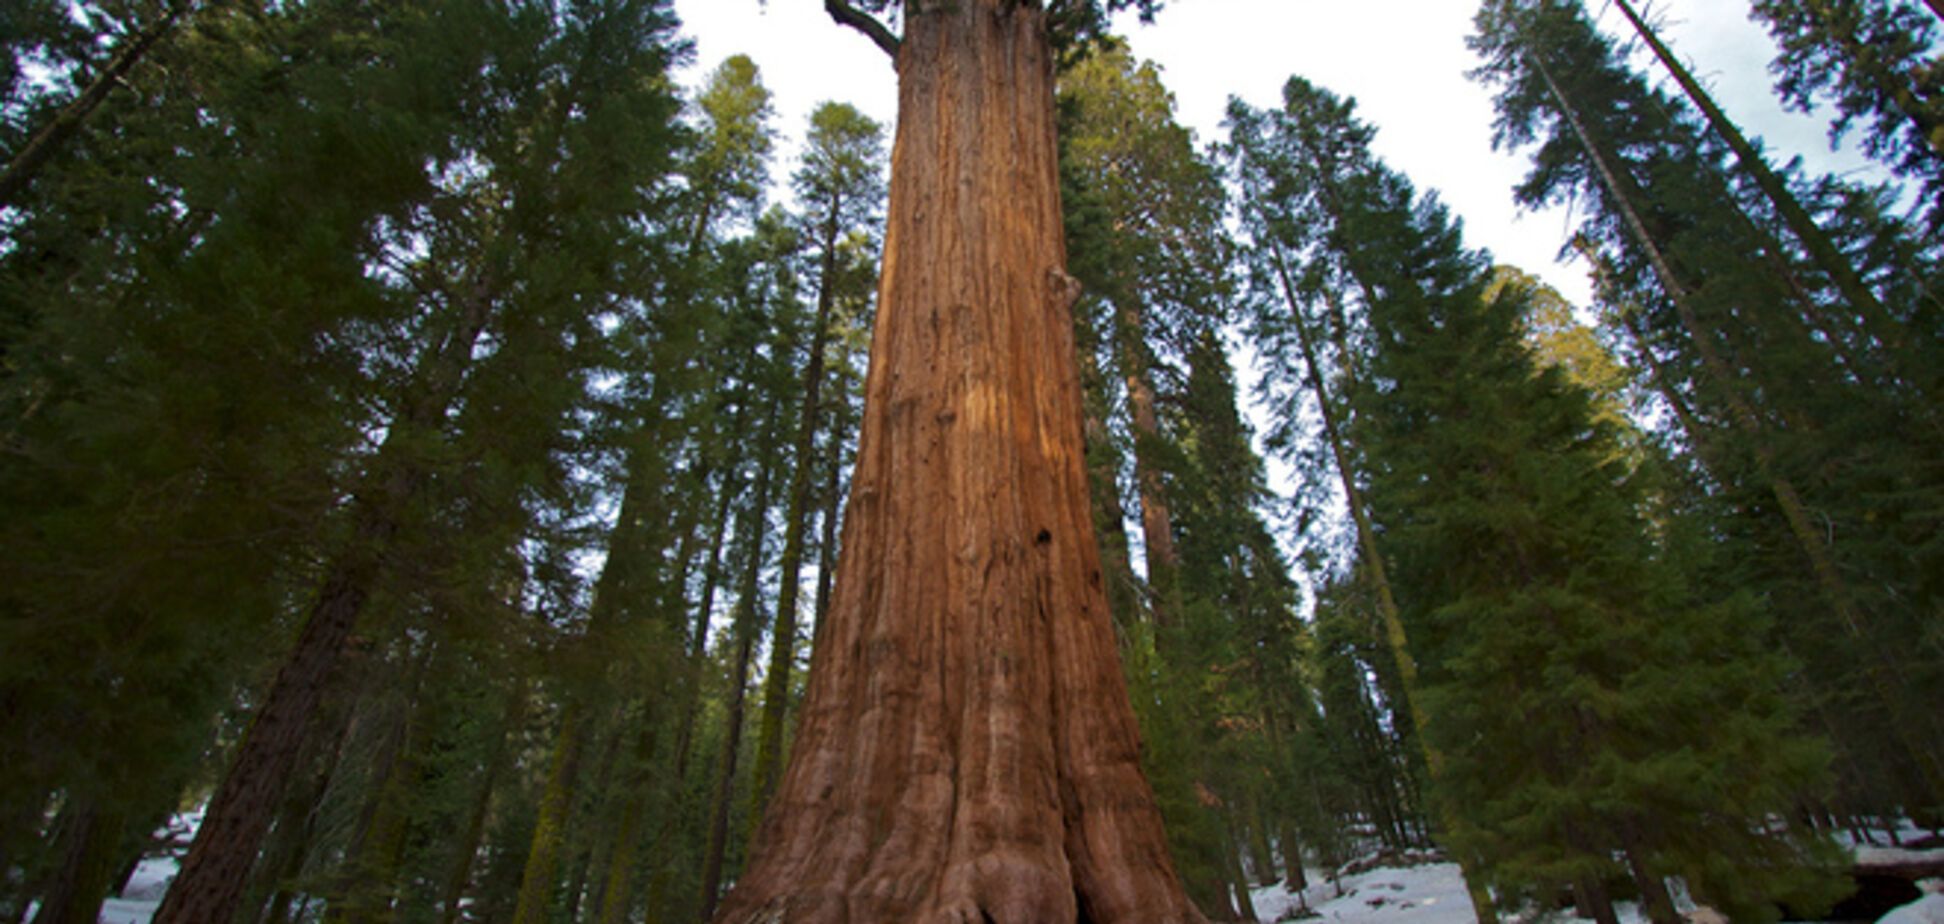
[(451, 470)]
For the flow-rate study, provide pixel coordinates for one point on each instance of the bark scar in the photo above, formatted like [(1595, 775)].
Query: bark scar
[(1066, 289)]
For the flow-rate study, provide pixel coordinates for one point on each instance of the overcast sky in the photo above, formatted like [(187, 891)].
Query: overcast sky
[(1403, 60)]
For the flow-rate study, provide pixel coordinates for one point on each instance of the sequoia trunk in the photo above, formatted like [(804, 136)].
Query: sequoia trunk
[(966, 750)]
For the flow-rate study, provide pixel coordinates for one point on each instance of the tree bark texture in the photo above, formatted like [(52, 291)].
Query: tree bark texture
[(87, 869), (210, 885), (966, 751), (1157, 524), (549, 829)]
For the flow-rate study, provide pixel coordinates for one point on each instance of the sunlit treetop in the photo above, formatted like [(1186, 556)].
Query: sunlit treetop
[(1070, 23)]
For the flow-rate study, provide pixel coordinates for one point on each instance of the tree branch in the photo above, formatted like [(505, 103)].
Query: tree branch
[(847, 15)]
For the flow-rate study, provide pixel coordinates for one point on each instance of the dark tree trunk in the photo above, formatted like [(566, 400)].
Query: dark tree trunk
[(218, 865), (833, 500), (750, 531), (210, 884), (41, 148), (496, 760), (1653, 888), (1295, 879), (966, 750), (1591, 900), (1237, 877), (549, 827), (776, 683), (88, 843)]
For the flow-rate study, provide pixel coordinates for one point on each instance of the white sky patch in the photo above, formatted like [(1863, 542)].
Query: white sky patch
[(1403, 60)]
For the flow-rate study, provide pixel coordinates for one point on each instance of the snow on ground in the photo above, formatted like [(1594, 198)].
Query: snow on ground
[(137, 902), (1434, 893), (1421, 893), (1428, 893), (1926, 910)]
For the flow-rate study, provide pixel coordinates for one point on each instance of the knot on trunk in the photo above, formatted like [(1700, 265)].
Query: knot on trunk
[(1066, 289)]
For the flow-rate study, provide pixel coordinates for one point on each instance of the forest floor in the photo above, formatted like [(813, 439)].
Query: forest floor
[(1416, 890), (1423, 890)]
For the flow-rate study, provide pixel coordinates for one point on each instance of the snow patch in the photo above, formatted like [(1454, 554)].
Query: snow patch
[(1926, 910)]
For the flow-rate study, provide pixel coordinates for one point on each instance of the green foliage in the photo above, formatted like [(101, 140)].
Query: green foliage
[(1784, 396), (473, 269), (1877, 62), (1567, 660)]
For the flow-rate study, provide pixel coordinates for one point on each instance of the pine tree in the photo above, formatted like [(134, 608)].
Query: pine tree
[(1144, 229), (1876, 62), (1326, 132), (1550, 621), (840, 186), (309, 304), (1769, 398)]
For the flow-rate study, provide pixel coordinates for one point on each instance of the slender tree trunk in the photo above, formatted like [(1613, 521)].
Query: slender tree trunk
[(1295, 878), (40, 148), (796, 523), (625, 576), (289, 840), (1821, 561), (1258, 841), (364, 894), (1876, 320), (1157, 524), (749, 613), (210, 884), (1397, 640), (616, 885), (588, 838), (1591, 900), (1237, 877), (617, 891), (705, 609), (833, 498), (967, 751), (90, 845), (1653, 888), (496, 762), (1110, 520), (549, 828), (690, 697), (749, 531)]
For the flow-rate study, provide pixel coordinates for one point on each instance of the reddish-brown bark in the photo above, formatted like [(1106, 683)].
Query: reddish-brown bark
[(967, 752), (210, 884), (1157, 524)]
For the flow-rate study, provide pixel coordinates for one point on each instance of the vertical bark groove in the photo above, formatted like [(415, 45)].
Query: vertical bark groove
[(966, 749)]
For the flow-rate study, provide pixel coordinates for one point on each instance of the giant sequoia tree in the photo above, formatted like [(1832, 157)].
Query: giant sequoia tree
[(967, 751)]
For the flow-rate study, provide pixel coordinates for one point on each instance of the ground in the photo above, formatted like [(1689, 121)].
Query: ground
[(1408, 892)]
